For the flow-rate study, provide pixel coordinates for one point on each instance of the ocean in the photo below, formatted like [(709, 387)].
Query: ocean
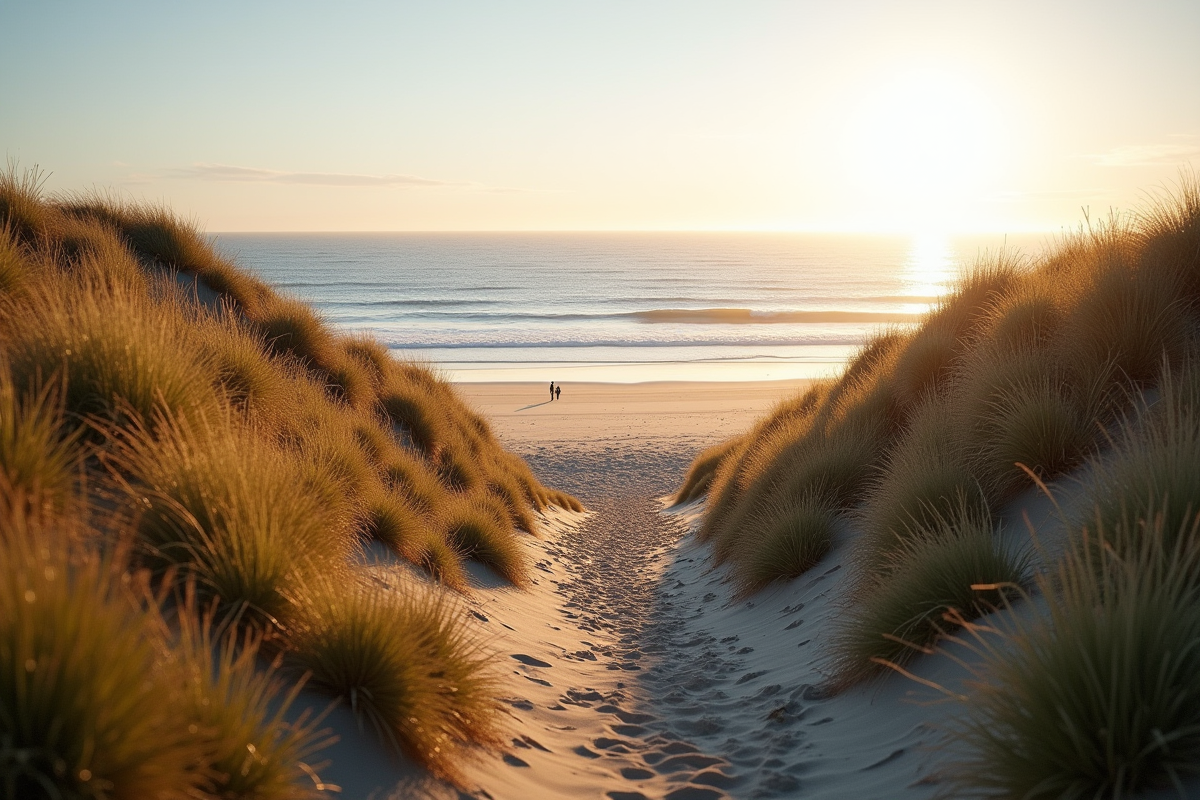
[(615, 307)]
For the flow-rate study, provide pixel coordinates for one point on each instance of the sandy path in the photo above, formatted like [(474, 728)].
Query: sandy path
[(630, 669), (706, 704), (609, 598)]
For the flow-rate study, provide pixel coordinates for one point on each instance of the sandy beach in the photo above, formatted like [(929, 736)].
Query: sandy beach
[(684, 414)]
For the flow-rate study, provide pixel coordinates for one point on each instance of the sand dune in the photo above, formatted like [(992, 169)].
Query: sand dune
[(631, 670)]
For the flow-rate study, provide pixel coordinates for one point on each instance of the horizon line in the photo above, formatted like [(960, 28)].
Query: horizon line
[(818, 231)]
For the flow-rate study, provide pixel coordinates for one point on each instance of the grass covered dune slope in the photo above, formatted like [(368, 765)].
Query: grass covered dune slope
[(1084, 365), (190, 464)]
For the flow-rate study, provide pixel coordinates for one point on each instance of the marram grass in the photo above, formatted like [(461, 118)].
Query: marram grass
[(924, 481), (86, 709), (1152, 474), (38, 455), (403, 660), (240, 709), (789, 537), (479, 530), (118, 353), (171, 421), (952, 568), (1099, 696), (223, 505), (1026, 372)]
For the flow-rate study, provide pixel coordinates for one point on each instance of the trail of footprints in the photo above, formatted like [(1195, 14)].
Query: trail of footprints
[(696, 750)]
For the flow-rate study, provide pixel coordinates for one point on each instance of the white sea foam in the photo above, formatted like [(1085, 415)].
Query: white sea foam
[(614, 305)]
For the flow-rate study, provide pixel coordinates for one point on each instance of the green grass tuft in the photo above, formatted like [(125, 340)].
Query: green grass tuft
[(902, 610), (1099, 696), (85, 709), (118, 353), (405, 663), (791, 537), (38, 457), (231, 510), (477, 530)]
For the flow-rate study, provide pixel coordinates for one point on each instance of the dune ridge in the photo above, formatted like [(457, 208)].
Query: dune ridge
[(1030, 376), (191, 465)]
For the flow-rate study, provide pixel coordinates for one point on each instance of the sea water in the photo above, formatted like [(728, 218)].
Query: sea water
[(619, 307)]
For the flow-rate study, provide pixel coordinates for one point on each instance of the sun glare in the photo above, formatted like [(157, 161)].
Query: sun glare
[(930, 269), (925, 137)]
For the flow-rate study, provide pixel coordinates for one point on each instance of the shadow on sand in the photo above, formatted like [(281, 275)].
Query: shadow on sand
[(534, 405)]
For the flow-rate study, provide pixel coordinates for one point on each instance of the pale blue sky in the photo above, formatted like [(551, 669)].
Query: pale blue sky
[(403, 116)]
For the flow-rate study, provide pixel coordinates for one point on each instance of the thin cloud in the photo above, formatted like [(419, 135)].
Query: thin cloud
[(227, 173), (1147, 155), (1048, 194)]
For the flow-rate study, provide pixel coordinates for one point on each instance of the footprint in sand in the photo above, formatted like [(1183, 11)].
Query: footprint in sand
[(530, 661)]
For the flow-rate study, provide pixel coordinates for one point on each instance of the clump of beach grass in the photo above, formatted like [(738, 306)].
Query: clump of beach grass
[(168, 242), (405, 663), (85, 709), (1022, 411), (38, 456), (924, 480), (1099, 696), (22, 211), (951, 568), (392, 521), (115, 351), (791, 536), (1168, 230), (1026, 318), (478, 530), (442, 561), (240, 709), (415, 479), (224, 505), (1152, 474), (14, 265), (1125, 317), (239, 356), (420, 418), (703, 469)]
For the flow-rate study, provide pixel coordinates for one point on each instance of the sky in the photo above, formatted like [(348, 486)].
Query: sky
[(856, 115)]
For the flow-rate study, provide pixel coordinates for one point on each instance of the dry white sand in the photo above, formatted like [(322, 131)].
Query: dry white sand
[(630, 670)]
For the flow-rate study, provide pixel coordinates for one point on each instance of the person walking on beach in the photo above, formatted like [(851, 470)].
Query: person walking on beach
[(558, 392), (551, 390)]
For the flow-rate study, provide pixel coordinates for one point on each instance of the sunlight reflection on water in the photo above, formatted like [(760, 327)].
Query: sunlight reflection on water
[(931, 267)]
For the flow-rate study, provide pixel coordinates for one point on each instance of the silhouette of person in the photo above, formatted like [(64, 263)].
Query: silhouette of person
[(551, 390), (557, 392)]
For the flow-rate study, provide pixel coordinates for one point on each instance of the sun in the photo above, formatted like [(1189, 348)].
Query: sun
[(923, 136)]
